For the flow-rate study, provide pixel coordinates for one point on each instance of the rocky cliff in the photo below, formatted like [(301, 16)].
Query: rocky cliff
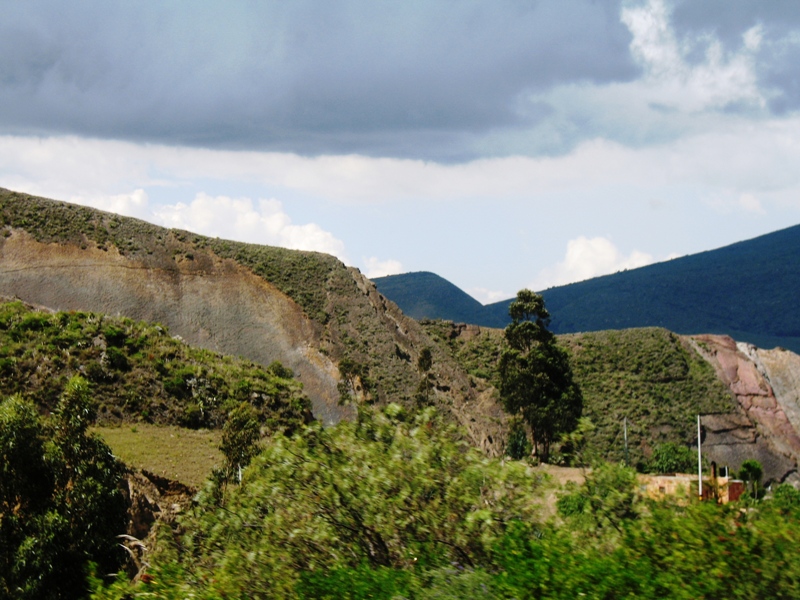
[(766, 384)]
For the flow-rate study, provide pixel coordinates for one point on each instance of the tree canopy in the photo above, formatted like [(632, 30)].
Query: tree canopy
[(673, 458), (535, 376)]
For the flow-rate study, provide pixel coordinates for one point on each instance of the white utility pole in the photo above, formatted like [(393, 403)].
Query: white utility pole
[(625, 433), (699, 462)]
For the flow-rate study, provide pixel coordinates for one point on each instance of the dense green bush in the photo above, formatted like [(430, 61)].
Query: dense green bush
[(392, 507), (606, 499), (61, 502), (701, 550), (673, 458), (346, 508)]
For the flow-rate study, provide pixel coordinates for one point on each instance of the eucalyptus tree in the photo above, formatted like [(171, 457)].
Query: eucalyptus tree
[(536, 380)]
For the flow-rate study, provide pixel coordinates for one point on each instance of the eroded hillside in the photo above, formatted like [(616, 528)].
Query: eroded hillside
[(303, 309), (764, 384), (313, 314)]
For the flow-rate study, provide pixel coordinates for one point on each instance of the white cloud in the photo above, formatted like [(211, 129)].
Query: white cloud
[(670, 80), (135, 204), (688, 86), (486, 296), (731, 155), (729, 203), (68, 166), (750, 203), (264, 222), (91, 172), (587, 258), (374, 267)]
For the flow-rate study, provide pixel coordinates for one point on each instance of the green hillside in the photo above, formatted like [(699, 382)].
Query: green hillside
[(325, 289), (137, 371), (746, 290), (650, 376)]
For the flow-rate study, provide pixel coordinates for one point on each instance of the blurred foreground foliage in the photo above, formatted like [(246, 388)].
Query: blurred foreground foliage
[(398, 506), (376, 500)]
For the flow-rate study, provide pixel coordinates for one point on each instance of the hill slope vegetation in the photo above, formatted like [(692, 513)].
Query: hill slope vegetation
[(651, 376), (138, 372)]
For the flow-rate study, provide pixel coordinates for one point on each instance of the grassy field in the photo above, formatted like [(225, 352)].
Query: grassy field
[(185, 455)]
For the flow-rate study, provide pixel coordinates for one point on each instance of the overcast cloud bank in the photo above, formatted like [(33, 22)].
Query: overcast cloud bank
[(495, 143), (434, 80)]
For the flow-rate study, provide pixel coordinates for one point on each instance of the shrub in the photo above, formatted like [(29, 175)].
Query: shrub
[(61, 505), (672, 458)]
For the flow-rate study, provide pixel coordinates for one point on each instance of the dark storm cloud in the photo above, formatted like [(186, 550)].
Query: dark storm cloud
[(779, 57), (421, 79)]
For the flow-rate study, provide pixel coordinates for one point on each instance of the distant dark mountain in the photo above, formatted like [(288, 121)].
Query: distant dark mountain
[(748, 290), (425, 295)]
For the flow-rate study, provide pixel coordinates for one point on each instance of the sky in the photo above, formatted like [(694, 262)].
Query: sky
[(501, 144)]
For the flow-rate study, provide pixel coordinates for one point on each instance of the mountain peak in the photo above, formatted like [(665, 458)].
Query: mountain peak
[(426, 295)]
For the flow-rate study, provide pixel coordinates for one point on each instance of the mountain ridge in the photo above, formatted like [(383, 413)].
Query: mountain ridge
[(745, 290), (306, 310)]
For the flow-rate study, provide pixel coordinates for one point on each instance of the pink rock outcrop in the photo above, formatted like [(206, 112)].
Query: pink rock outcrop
[(739, 367)]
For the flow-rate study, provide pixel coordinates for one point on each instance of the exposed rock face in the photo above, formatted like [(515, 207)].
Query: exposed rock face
[(762, 430), (152, 497), (210, 302), (782, 369), (465, 331), (401, 340)]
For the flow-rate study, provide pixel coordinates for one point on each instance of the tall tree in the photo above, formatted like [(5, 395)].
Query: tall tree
[(240, 437), (535, 376), (751, 472)]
